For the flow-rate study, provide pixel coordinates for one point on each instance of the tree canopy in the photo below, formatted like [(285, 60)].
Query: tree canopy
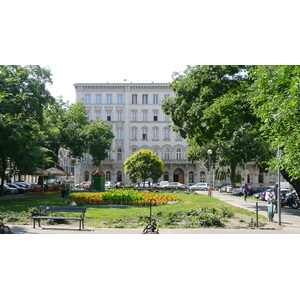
[(212, 110), (144, 164), (34, 125)]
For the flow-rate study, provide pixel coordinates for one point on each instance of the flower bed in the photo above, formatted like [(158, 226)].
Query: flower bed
[(121, 197)]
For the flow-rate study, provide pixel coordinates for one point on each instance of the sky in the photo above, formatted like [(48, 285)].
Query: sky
[(108, 41)]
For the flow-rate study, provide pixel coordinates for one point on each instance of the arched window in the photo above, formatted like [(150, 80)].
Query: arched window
[(119, 176), (167, 154), (191, 177), (119, 154), (178, 154), (108, 176), (133, 150), (86, 176), (202, 176)]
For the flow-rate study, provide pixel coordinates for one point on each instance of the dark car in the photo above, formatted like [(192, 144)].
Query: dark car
[(21, 190)]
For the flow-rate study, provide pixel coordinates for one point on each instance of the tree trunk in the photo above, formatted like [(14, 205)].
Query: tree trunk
[(232, 175), (294, 182)]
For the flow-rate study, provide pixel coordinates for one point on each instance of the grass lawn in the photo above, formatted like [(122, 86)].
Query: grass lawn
[(120, 216)]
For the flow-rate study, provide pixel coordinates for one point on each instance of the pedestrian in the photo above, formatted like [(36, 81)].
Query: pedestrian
[(68, 188), (209, 190), (245, 190), (63, 189)]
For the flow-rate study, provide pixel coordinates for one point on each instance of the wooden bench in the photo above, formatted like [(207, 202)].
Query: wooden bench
[(40, 217)]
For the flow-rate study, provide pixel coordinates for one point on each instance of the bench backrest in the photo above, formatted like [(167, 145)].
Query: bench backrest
[(63, 209)]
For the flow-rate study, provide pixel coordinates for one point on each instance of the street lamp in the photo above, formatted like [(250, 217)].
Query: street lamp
[(209, 152)]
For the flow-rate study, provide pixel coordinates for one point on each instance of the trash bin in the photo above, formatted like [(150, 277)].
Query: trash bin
[(271, 211)]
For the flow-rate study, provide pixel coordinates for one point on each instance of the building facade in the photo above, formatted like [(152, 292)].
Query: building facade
[(138, 122)]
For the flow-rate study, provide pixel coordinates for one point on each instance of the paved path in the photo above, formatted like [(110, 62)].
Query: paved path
[(290, 220)]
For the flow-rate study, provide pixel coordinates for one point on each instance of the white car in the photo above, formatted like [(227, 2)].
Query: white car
[(110, 185), (163, 183), (201, 186), (175, 185)]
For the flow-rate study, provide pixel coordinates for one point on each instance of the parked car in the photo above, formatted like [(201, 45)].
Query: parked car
[(252, 191), (269, 196), (21, 189), (201, 186), (9, 190), (110, 185), (163, 183), (85, 184), (224, 188), (218, 187), (175, 185)]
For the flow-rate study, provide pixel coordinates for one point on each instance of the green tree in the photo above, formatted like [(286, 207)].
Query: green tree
[(212, 110), (99, 138), (144, 164), (275, 98), (23, 99)]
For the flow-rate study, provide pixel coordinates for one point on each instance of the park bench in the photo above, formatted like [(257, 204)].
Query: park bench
[(38, 217)]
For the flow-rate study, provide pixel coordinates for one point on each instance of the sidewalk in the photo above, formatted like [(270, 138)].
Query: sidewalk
[(290, 221)]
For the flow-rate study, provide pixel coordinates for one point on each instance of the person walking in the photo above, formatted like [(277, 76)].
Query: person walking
[(63, 188), (245, 190), (209, 191)]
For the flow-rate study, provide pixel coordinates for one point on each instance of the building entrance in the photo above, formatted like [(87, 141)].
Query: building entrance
[(178, 175)]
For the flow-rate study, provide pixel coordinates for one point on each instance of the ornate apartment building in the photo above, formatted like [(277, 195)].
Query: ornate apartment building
[(138, 122)]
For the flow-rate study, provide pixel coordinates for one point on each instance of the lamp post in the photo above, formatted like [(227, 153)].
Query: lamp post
[(209, 152)]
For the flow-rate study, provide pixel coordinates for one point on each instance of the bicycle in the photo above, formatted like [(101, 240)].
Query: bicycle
[(4, 229)]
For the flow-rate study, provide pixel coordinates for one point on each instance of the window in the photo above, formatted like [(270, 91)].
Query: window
[(109, 99), (178, 136), (133, 134), (133, 115), (155, 151), (155, 115), (145, 133), (119, 154), (167, 118), (120, 133), (260, 178), (167, 154), (178, 154), (145, 115), (98, 99), (120, 99), (155, 99), (108, 176), (98, 115), (133, 150), (120, 115), (134, 99), (166, 176), (87, 98), (108, 115), (202, 176), (166, 96), (119, 176), (155, 133), (191, 177), (145, 99), (167, 133)]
